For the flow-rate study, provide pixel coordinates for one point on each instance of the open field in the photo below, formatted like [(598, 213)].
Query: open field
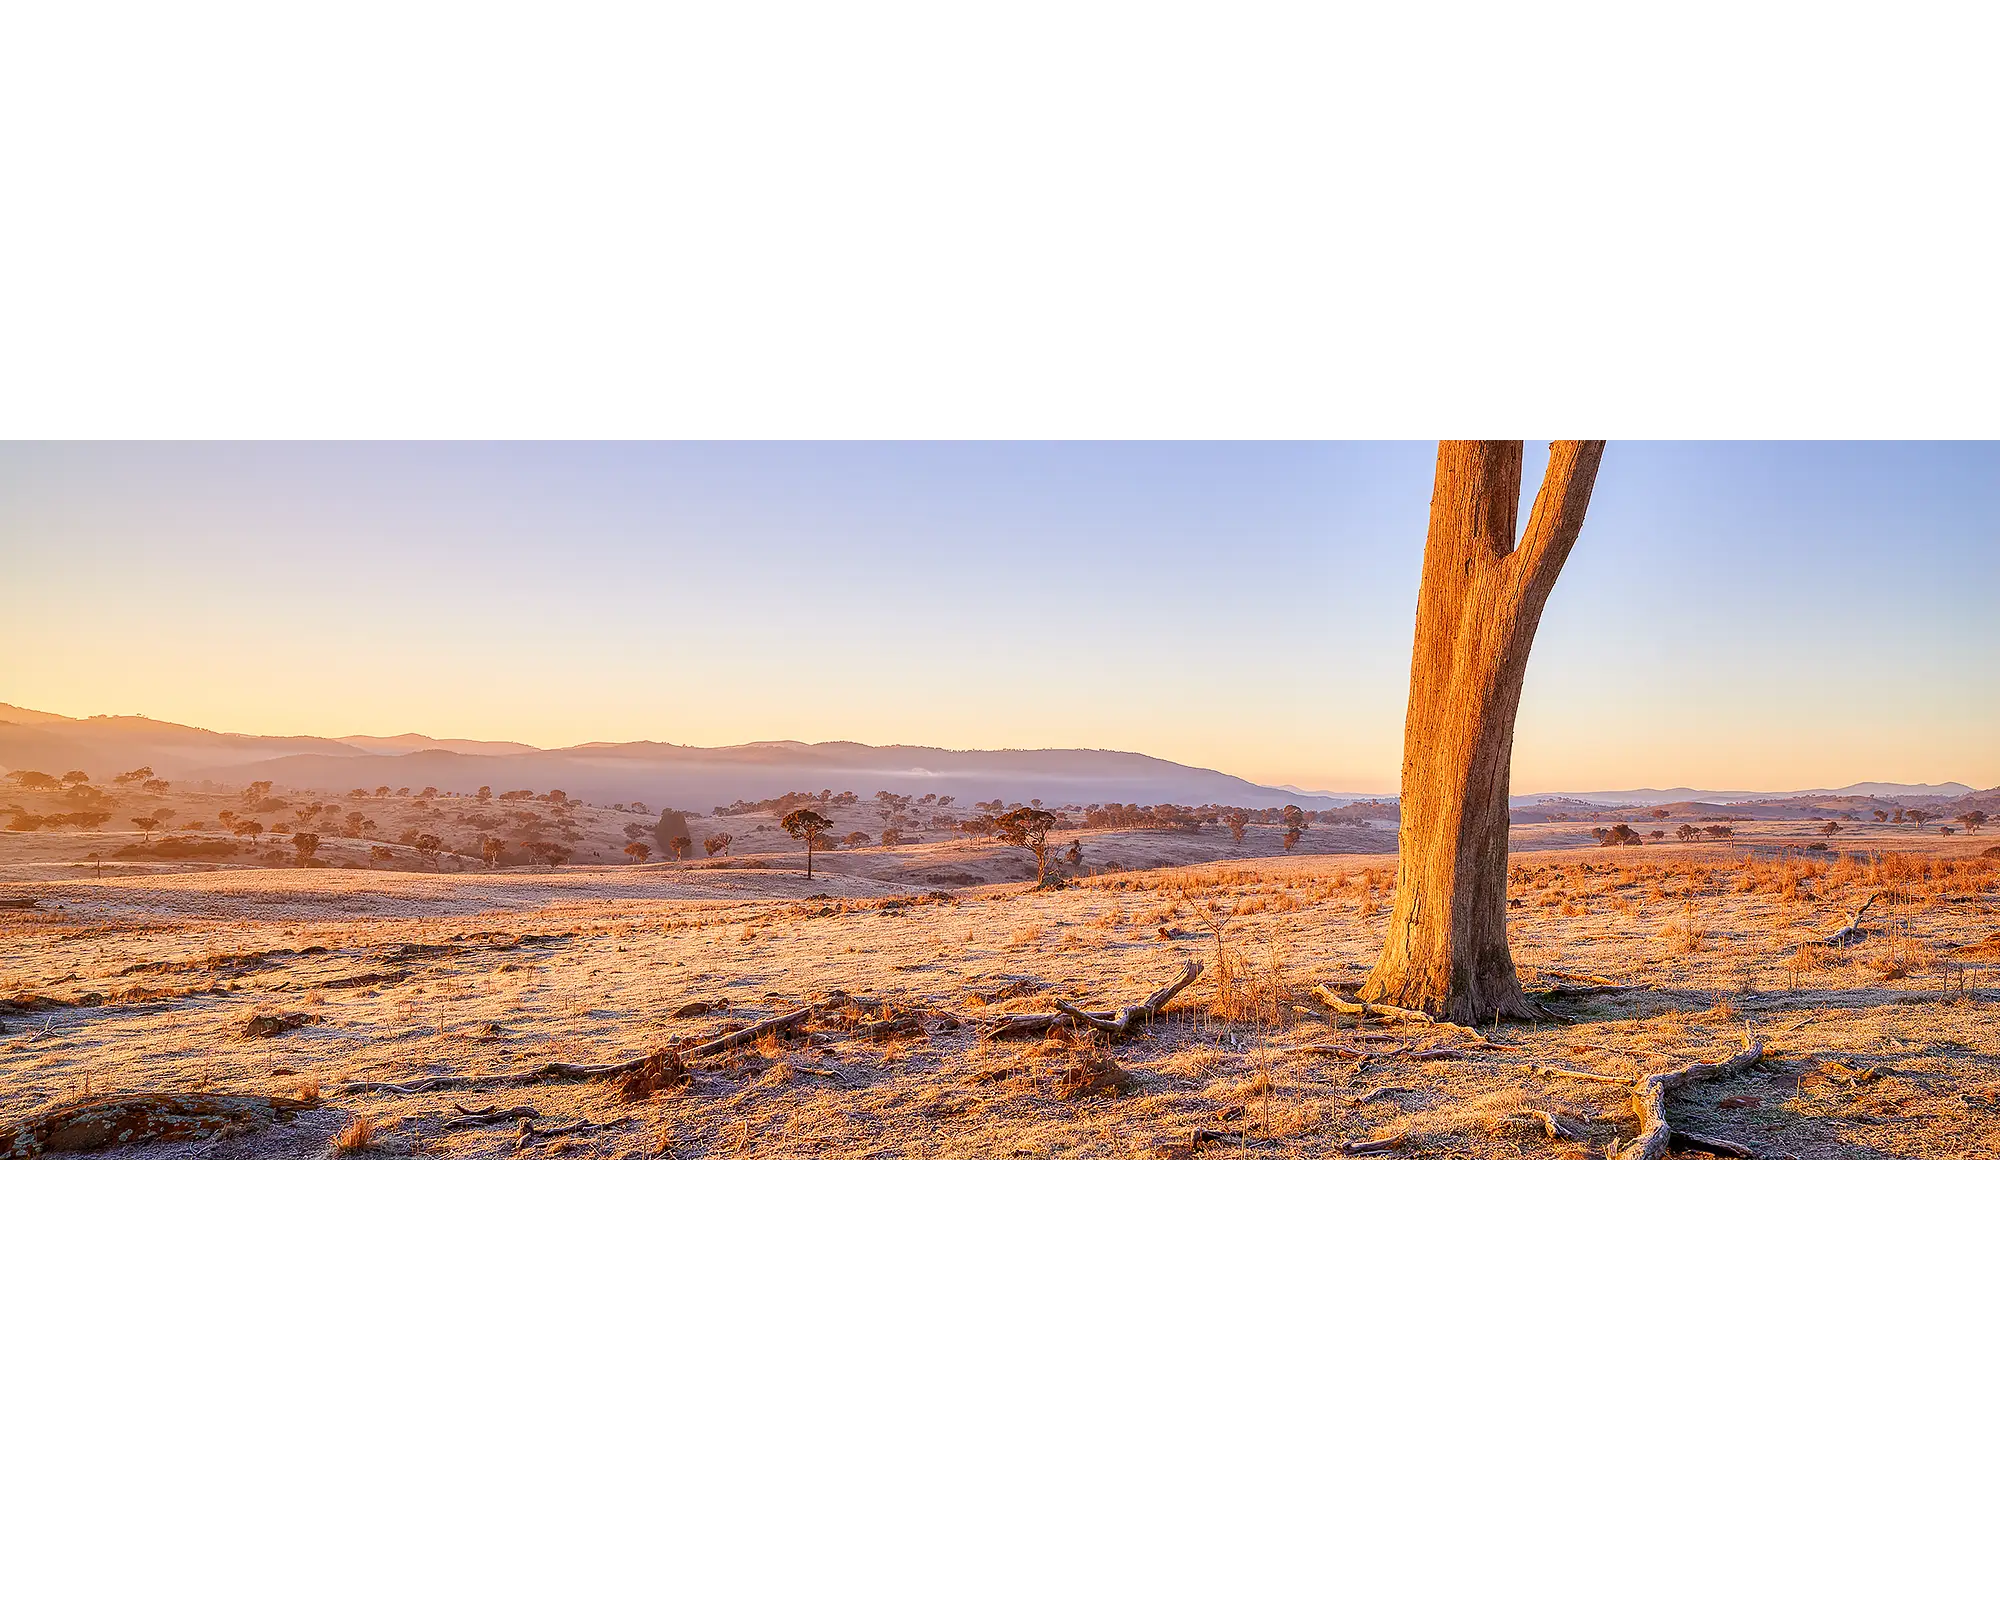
[(441, 1013)]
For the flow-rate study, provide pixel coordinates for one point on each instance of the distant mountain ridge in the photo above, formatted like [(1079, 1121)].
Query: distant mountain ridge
[(686, 776), (701, 777)]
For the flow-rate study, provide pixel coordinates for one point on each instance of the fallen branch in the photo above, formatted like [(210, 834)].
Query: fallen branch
[(1383, 1091), (1710, 1144), (1373, 1147), (1551, 1125), (473, 1119), (552, 1072), (1587, 1077), (756, 1030), (1852, 932), (1127, 1020), (1649, 1094)]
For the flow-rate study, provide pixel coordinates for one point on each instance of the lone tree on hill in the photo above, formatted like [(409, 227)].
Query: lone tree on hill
[(1480, 602), (1028, 828), (810, 826)]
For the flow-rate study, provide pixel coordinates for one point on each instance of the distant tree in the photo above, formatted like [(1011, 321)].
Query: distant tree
[(1237, 824), (1829, 827), (636, 830), (429, 845), (717, 844), (892, 836), (1880, 816), (134, 775), (1687, 832), (1027, 827), (1920, 816), (248, 828), (260, 790), (1972, 821), (486, 791), (156, 786), (638, 850), (382, 792), (1659, 813), (147, 824), (380, 852), (855, 840), (76, 777), (305, 846), (680, 844), (1295, 826), (490, 851), (1719, 830), (37, 780), (548, 852), (1074, 854), (1657, 835), (810, 826)]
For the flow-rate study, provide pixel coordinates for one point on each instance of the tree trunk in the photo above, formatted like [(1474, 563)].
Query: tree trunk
[(1446, 951)]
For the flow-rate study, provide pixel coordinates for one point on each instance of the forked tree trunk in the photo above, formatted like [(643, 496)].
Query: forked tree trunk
[(1446, 951)]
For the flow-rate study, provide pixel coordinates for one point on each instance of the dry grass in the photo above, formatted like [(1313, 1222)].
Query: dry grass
[(356, 1138), (1242, 1066)]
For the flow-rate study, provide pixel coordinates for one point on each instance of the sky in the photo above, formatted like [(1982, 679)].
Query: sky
[(1735, 615)]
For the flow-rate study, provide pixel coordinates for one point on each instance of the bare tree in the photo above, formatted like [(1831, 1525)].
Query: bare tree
[(810, 826), (1479, 605)]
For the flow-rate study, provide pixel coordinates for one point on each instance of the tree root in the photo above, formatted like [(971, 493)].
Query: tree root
[(1389, 1013), (1649, 1094)]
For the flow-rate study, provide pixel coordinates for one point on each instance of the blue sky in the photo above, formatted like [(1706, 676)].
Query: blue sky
[(1735, 615)]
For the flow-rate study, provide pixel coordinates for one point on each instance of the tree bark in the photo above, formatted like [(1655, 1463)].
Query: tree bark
[(1481, 600)]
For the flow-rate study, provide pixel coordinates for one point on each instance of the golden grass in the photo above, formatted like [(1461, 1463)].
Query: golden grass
[(355, 1138)]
